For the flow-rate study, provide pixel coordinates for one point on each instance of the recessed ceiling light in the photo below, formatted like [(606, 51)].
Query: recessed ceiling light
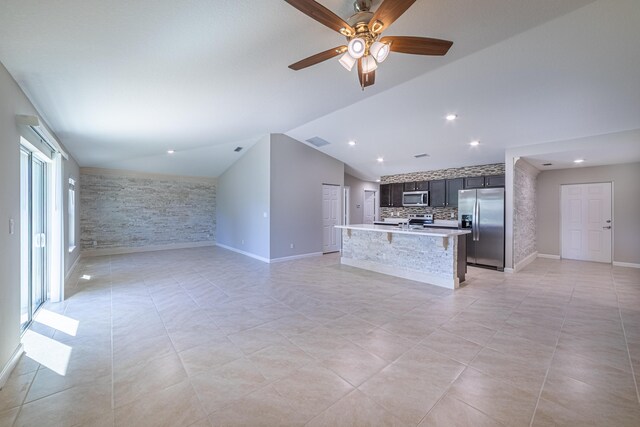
[(170, 151), (377, 180), (380, 159), (474, 143), (452, 117), (352, 143), (578, 161)]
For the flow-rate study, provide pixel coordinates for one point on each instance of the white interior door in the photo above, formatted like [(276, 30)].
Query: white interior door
[(330, 218), (586, 222), (369, 206)]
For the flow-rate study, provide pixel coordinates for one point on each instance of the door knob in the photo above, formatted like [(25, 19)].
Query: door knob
[(608, 227)]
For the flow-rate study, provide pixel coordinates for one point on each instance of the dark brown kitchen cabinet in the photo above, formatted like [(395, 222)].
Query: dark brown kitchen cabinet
[(453, 185), (410, 186), (422, 186), (474, 182), (396, 195), (494, 181), (437, 193), (385, 195)]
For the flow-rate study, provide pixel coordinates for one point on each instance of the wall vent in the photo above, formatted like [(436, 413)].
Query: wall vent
[(418, 156), (318, 142), (238, 149)]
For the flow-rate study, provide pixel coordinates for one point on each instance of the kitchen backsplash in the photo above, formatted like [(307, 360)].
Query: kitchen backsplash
[(438, 213)]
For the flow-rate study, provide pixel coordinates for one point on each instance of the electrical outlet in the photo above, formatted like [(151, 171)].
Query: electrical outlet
[(12, 226), (242, 242), (292, 245), (95, 243)]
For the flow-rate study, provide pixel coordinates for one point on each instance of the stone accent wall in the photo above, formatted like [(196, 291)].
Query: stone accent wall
[(120, 209), (424, 254), (524, 210), (438, 213)]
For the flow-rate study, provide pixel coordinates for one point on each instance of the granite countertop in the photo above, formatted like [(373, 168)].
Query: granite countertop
[(441, 232)]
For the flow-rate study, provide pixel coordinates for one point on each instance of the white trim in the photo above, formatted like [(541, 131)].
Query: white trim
[(626, 264), (151, 248), (11, 364), (526, 261), (73, 266), (404, 273), (508, 270), (249, 254), (291, 258), (548, 256)]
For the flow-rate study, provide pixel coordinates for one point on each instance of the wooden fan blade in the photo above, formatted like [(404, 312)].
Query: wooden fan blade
[(388, 12), (366, 79), (417, 45), (318, 58), (321, 14)]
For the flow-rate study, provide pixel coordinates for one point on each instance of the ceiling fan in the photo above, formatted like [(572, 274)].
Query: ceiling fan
[(363, 30)]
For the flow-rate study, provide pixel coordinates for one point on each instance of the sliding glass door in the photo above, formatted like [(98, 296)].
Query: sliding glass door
[(33, 237)]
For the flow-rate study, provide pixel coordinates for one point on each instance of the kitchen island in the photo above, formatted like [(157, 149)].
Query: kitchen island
[(434, 256)]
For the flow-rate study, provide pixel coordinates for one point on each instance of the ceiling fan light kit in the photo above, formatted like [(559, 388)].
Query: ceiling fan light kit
[(363, 30)]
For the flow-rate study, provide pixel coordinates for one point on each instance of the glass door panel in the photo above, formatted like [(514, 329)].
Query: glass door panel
[(38, 210), (25, 238), (33, 256)]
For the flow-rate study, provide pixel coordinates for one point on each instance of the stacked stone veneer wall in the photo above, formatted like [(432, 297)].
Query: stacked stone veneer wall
[(438, 213), (524, 211), (121, 209)]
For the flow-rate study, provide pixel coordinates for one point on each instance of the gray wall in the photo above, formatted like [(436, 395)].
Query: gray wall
[(297, 174), (356, 193), (12, 102), (524, 211), (626, 197), (121, 209), (243, 198)]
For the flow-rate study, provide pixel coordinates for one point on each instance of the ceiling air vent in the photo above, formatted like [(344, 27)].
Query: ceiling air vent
[(316, 141), (419, 156), (238, 149), (547, 164)]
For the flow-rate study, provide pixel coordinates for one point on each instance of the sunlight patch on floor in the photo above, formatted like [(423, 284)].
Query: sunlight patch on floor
[(46, 351)]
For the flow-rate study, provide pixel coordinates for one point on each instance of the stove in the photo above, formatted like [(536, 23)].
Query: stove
[(420, 219)]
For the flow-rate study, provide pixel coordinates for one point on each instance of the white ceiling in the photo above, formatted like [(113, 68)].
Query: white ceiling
[(122, 81)]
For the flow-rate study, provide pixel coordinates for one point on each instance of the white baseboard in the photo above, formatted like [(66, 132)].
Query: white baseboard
[(418, 276), (151, 248), (509, 270), (291, 258), (249, 254), (528, 260), (8, 368), (548, 256), (626, 264)]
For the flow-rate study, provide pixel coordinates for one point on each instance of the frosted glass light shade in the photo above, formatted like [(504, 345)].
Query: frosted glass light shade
[(356, 47), (368, 64), (347, 61), (379, 51)]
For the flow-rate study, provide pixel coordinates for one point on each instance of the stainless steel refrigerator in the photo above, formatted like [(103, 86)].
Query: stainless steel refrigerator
[(482, 212)]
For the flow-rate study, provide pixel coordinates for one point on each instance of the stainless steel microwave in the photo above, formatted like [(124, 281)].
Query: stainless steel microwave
[(415, 198)]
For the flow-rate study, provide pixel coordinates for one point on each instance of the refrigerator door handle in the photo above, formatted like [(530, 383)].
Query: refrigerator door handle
[(474, 223), (478, 221)]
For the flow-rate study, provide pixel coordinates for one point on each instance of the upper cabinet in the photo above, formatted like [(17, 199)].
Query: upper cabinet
[(453, 185), (494, 181), (442, 192), (396, 195), (437, 193), (422, 186), (474, 182)]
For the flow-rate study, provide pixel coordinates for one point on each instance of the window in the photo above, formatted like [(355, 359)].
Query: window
[(72, 214)]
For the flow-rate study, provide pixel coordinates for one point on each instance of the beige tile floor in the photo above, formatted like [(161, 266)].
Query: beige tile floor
[(206, 337)]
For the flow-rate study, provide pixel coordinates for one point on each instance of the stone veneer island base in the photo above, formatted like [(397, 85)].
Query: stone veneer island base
[(433, 256)]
